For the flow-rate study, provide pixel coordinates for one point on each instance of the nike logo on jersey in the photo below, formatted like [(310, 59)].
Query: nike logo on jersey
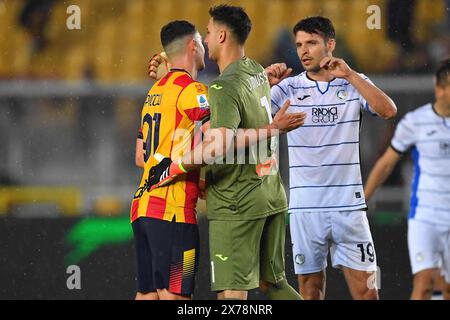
[(431, 133), (304, 97), (217, 87), (221, 257)]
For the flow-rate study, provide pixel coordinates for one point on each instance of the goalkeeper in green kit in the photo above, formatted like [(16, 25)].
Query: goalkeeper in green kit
[(246, 201)]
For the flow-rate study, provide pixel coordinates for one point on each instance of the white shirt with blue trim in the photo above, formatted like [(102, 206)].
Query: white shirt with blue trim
[(428, 134), (324, 160)]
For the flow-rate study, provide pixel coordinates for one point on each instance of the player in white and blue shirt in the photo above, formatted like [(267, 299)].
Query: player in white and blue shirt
[(324, 159), (327, 205), (427, 134), (425, 131)]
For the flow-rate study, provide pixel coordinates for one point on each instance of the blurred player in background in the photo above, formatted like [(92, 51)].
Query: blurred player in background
[(326, 204), (164, 220), (427, 131), (246, 206)]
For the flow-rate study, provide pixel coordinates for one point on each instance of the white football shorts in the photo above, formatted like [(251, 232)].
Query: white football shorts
[(346, 234), (429, 247)]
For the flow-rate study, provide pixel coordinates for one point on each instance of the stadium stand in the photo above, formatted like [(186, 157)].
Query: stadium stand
[(115, 41)]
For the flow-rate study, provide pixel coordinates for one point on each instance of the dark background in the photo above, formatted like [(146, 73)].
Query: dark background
[(32, 264)]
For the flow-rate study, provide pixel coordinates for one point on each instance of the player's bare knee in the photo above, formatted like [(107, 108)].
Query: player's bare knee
[(165, 294), (424, 279), (423, 286), (421, 293), (315, 280), (446, 291), (146, 296), (372, 295), (311, 287), (311, 293), (367, 294), (232, 295)]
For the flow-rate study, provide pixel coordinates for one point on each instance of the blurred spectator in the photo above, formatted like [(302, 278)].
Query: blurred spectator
[(439, 45), (439, 48), (342, 51), (400, 26), (447, 9), (34, 17), (285, 50), (5, 179), (400, 15)]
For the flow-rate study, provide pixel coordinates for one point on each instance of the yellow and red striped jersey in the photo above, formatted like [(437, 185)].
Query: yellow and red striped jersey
[(175, 105)]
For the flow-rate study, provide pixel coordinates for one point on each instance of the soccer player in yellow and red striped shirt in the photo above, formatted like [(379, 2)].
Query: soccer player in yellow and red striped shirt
[(164, 219)]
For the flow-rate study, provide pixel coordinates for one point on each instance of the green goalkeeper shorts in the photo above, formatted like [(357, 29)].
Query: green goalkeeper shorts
[(244, 252)]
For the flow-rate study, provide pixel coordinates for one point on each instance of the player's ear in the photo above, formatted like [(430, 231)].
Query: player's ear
[(192, 46), (222, 35), (331, 45)]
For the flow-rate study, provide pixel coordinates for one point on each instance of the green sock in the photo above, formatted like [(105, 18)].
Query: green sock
[(282, 291)]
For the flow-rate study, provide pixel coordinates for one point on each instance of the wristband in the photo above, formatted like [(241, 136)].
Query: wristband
[(180, 165)]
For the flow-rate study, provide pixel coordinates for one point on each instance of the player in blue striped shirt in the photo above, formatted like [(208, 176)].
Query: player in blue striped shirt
[(327, 205)]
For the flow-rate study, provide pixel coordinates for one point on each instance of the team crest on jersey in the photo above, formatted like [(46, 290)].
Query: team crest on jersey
[(199, 87), (202, 101), (300, 259), (342, 94), (419, 257)]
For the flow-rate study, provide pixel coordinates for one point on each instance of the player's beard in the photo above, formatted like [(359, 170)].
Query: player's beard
[(316, 68), (211, 54), (312, 68)]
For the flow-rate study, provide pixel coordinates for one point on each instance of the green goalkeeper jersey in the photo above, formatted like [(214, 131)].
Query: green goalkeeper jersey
[(240, 98)]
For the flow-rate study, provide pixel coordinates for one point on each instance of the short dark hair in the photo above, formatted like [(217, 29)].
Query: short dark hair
[(443, 73), (319, 25), (234, 18), (176, 29)]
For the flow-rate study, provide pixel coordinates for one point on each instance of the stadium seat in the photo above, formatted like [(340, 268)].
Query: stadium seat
[(121, 53), (67, 198)]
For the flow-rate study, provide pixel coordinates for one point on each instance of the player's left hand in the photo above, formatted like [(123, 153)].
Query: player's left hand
[(336, 67), (286, 121), (277, 72), (163, 173)]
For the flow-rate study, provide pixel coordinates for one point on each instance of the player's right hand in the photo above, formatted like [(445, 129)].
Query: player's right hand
[(285, 121), (277, 72), (153, 65), (158, 66)]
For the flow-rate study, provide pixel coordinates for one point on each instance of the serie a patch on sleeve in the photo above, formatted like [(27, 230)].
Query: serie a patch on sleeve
[(202, 101)]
